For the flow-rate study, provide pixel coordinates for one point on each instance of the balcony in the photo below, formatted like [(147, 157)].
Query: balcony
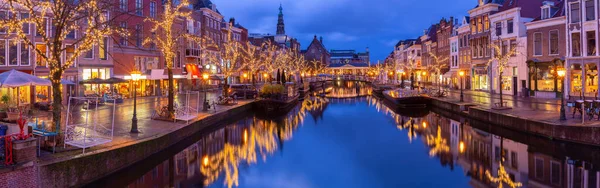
[(192, 52)]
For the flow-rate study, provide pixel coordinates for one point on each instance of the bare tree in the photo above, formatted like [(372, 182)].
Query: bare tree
[(436, 67), (502, 61)]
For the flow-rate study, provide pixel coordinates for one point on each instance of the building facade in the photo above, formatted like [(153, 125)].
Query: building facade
[(546, 49), (479, 41), (316, 51)]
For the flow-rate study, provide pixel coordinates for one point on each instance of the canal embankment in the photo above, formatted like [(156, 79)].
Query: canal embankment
[(69, 169), (536, 122)]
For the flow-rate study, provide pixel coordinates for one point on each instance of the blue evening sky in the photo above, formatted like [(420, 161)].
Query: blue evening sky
[(346, 24)]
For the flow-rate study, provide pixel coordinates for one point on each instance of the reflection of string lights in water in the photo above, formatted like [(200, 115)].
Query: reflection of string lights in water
[(259, 140), (503, 177), (439, 144)]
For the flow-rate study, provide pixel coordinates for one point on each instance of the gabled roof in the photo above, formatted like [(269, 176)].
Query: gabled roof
[(558, 9), (203, 4), (485, 2), (529, 8), (317, 42)]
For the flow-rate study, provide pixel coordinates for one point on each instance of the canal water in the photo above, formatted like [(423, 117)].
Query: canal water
[(361, 141)]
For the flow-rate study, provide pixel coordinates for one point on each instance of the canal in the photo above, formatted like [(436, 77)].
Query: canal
[(360, 141)]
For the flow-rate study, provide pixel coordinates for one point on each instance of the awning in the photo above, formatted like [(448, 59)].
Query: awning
[(193, 72), (157, 74), (449, 74), (480, 69)]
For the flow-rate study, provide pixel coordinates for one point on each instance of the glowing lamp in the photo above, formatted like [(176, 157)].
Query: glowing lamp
[(561, 72), (461, 73), (136, 75), (424, 124), (205, 161), (205, 76), (461, 147), (245, 75)]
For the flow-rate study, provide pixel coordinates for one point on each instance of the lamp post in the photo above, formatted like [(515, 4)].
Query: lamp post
[(205, 102), (462, 75), (423, 80), (135, 76), (561, 73)]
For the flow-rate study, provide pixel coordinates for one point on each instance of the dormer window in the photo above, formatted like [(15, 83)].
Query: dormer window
[(545, 12)]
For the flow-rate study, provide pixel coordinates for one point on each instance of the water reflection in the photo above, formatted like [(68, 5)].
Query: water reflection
[(483, 155), (349, 89)]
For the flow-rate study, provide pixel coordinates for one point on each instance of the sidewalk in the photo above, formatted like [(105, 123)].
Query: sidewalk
[(122, 123)]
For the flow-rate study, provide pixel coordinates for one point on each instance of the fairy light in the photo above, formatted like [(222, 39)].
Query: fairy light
[(89, 17), (503, 177), (437, 65), (439, 143)]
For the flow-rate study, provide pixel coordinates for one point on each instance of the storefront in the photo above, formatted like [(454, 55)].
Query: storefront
[(543, 79), (580, 82), (480, 79), (95, 73)]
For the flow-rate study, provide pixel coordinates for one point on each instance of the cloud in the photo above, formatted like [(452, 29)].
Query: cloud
[(345, 24)]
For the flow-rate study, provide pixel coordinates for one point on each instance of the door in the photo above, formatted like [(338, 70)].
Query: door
[(515, 90)]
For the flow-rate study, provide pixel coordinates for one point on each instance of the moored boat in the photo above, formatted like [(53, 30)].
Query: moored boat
[(407, 98)]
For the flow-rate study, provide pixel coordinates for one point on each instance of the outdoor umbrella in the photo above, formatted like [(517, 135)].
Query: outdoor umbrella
[(14, 78), (114, 80)]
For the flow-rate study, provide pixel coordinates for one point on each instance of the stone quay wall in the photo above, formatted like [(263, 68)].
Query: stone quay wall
[(571, 133), (78, 171)]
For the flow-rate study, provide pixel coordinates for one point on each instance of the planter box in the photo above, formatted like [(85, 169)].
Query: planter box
[(24, 150)]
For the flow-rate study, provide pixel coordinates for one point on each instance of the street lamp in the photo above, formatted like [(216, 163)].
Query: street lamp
[(205, 103), (135, 76), (561, 73), (462, 76)]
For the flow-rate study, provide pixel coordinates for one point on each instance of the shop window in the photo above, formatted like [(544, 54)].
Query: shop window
[(39, 59), (576, 44), (506, 83), (591, 79), (576, 80), (545, 76), (554, 42), (25, 54), (591, 42)]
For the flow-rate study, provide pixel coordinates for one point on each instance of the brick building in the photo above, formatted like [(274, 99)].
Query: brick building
[(464, 51), (479, 41), (316, 51), (428, 45), (444, 32), (546, 37)]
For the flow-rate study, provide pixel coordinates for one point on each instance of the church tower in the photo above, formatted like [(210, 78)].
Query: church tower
[(280, 25)]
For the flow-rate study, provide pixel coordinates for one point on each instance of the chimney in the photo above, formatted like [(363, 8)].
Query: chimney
[(452, 20), (315, 38), (232, 21), (321, 39)]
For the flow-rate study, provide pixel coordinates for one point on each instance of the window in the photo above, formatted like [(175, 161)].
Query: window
[(138, 7), (13, 52), (2, 52), (513, 45), (138, 35), (103, 48), (546, 13), (24, 54), (153, 9), (123, 5), (89, 54), (473, 25), (46, 22), (498, 28), (539, 168), (123, 38), (479, 25), (575, 13), (553, 42), (537, 44), (152, 45), (25, 25), (190, 26), (555, 173), (69, 52), (504, 46), (39, 60), (3, 17), (590, 14), (486, 22), (509, 26), (513, 160), (576, 44), (591, 42)]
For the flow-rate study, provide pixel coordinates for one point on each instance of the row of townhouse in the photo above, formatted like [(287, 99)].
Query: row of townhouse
[(547, 35), (117, 56)]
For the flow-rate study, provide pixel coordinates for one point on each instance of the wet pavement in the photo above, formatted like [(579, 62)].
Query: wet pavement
[(123, 114)]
